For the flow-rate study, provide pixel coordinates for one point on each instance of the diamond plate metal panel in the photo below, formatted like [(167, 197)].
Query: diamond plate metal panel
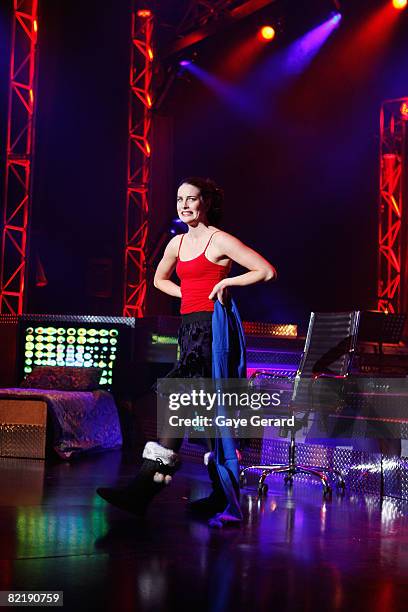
[(270, 329), (274, 451), (22, 440), (193, 451), (361, 471), (272, 356), (79, 319), (252, 452), (8, 318), (395, 470), (364, 472)]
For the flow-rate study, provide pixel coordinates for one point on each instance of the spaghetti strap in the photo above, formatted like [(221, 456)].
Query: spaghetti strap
[(210, 241), (178, 252)]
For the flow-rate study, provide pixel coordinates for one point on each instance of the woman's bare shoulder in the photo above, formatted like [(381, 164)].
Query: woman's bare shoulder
[(221, 237), (173, 245)]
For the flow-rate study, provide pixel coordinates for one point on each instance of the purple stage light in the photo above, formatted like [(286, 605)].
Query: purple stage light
[(176, 226), (300, 54), (282, 66), (185, 63), (228, 93)]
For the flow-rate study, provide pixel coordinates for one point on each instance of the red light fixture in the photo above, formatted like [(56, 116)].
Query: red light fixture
[(399, 4), (144, 13), (404, 110), (267, 33)]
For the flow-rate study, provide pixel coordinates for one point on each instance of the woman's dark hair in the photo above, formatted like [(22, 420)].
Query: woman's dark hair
[(213, 197)]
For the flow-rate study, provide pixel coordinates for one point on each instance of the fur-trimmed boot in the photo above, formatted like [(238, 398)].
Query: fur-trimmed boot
[(159, 465), (217, 500)]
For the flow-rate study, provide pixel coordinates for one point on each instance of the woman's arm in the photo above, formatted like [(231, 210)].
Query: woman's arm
[(165, 269), (260, 270)]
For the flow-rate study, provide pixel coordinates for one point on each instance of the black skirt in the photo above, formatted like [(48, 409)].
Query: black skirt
[(195, 347), (194, 361)]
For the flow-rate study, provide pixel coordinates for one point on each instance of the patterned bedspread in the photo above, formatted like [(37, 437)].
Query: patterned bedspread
[(82, 420)]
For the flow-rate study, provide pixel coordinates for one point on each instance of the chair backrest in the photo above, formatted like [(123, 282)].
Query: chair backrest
[(330, 343)]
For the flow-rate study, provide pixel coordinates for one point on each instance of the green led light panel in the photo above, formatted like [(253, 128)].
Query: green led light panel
[(81, 346)]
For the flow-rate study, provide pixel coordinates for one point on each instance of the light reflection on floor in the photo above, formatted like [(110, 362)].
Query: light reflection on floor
[(295, 550)]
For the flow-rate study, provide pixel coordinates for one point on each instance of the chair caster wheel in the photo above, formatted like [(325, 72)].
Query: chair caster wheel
[(327, 492), (288, 480), (242, 481), (263, 490)]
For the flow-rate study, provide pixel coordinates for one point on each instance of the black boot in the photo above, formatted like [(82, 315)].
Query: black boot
[(159, 465), (136, 496), (215, 502)]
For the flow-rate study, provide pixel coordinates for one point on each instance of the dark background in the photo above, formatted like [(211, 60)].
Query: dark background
[(300, 176)]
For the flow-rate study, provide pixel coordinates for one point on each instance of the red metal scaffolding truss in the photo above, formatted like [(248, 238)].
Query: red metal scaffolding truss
[(19, 156), (393, 217), (139, 157)]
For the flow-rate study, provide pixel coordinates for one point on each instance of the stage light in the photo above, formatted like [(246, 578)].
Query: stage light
[(185, 63), (267, 33), (336, 18), (399, 4), (35, 25), (144, 13), (150, 53), (404, 110), (177, 226)]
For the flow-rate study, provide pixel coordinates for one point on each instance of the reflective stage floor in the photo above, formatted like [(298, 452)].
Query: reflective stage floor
[(295, 551)]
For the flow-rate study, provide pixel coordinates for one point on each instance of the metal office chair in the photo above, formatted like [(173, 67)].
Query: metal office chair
[(328, 351)]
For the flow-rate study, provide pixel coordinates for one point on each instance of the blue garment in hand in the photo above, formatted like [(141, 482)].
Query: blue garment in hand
[(228, 361)]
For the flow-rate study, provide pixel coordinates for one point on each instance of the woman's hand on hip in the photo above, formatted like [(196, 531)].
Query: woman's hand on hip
[(220, 292)]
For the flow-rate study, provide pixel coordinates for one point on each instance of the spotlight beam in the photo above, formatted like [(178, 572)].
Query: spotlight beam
[(239, 12)]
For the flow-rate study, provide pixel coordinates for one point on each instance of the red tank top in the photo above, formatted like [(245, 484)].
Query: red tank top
[(197, 279)]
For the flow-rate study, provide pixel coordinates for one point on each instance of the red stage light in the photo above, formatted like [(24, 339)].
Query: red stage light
[(267, 33), (144, 13), (399, 4), (150, 53), (404, 110)]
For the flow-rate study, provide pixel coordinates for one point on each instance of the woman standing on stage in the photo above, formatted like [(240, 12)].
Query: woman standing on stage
[(202, 258)]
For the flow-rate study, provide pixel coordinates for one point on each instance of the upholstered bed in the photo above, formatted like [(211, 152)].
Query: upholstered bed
[(77, 421)]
